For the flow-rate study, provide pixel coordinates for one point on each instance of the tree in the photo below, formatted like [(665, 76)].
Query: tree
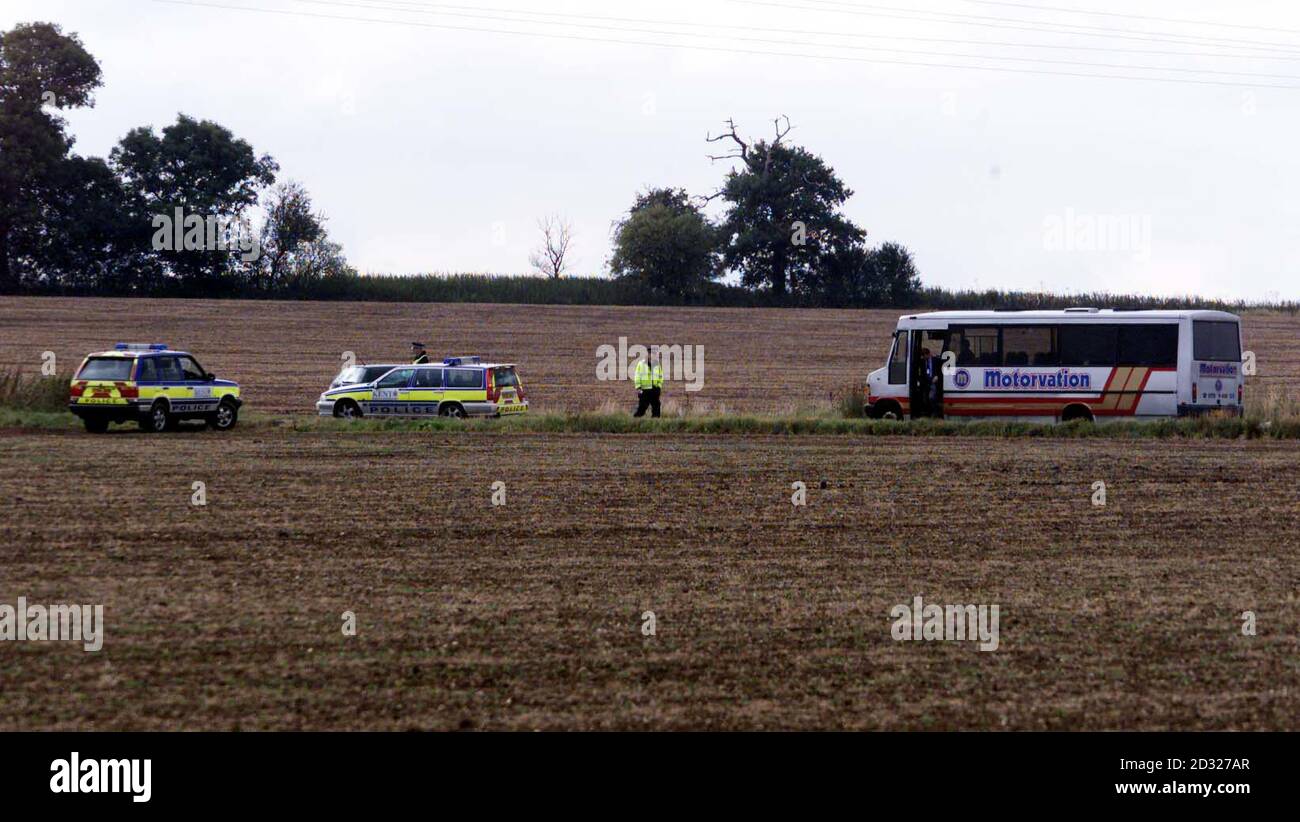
[(552, 259), (896, 272), (666, 242), (93, 237), (296, 251), (40, 67), (847, 278), (782, 221), (859, 277), (202, 169)]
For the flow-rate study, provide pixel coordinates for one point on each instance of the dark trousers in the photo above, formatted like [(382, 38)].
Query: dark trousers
[(649, 398)]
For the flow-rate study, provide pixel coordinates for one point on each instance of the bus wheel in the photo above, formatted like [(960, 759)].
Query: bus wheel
[(889, 411), (1077, 412)]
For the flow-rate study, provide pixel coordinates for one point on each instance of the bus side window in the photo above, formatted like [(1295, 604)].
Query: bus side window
[(1030, 345), (898, 360), (1090, 345), (976, 346)]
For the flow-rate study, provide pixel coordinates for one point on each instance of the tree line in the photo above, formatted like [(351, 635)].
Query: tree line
[(166, 213), (169, 213)]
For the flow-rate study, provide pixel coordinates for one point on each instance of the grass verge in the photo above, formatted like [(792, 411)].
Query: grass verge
[(1206, 428), (739, 425)]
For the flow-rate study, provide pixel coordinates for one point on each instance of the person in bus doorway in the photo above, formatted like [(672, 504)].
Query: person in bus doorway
[(931, 375), (649, 381), (936, 385), (417, 351)]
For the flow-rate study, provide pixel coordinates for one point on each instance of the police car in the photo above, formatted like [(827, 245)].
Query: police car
[(153, 386), (456, 387)]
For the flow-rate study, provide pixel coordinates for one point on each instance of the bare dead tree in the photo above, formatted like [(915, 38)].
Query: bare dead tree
[(742, 150), (552, 259)]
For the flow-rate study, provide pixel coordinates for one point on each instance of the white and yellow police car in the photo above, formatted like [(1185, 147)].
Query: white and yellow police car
[(153, 386), (456, 387)]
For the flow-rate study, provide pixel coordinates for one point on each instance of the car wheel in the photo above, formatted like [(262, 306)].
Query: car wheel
[(96, 426), (452, 410), (347, 410), (225, 417), (157, 420)]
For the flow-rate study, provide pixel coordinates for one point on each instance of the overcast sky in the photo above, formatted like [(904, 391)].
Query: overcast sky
[(436, 142)]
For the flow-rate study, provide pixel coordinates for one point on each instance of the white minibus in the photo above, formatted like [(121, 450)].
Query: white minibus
[(1079, 363)]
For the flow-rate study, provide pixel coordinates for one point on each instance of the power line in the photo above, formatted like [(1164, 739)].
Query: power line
[(719, 49), (824, 33), (860, 11), (1178, 20), (596, 26), (1104, 29)]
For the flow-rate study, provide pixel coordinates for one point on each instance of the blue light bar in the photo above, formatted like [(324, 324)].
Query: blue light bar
[(454, 361), (140, 347)]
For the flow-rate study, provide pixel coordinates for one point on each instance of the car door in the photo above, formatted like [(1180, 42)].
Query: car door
[(425, 392), (386, 400), (172, 384), (196, 379), (508, 390)]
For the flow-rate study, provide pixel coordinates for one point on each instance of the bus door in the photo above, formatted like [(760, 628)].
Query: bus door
[(1216, 365), (926, 383)]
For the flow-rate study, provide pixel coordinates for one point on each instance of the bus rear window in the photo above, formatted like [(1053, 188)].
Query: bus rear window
[(112, 369), (1216, 341)]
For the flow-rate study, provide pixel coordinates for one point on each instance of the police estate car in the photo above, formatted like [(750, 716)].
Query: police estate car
[(153, 386), (456, 387)]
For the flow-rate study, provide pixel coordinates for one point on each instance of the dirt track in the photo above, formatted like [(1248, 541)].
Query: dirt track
[(528, 615)]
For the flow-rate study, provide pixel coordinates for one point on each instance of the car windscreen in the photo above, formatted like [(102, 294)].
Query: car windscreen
[(116, 369), (351, 375)]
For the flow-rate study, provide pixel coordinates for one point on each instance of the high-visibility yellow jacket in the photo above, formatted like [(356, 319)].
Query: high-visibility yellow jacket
[(647, 377)]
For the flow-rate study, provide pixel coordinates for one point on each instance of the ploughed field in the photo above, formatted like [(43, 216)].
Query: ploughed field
[(530, 614), (284, 353)]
